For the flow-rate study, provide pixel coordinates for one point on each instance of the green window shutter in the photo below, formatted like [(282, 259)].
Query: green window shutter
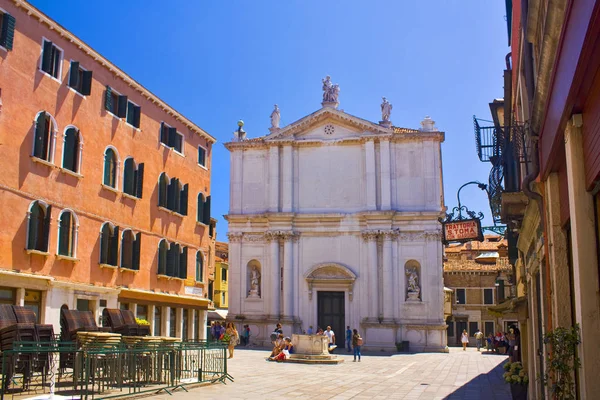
[(86, 85), (129, 177), (108, 160), (163, 251), (137, 243), (163, 190), (178, 143), (199, 261), (8, 31), (183, 263), (108, 105), (201, 156), (207, 211), (172, 136), (74, 74), (164, 133), (139, 181), (114, 247), (122, 107), (46, 233), (47, 57), (33, 226), (172, 188), (170, 260), (104, 244), (200, 210), (183, 200), (64, 234), (137, 110), (40, 127), (71, 148)]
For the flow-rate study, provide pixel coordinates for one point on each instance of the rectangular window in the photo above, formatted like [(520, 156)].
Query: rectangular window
[(171, 138), (223, 299), (124, 306), (157, 320), (172, 322), (202, 156), (133, 114), (7, 296), (7, 30), (224, 275), (83, 305), (488, 296), (472, 328), (80, 79), (51, 59), (488, 327), (33, 301), (461, 296)]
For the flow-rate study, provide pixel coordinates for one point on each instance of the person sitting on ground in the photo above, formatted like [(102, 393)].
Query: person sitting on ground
[(278, 345), (285, 352)]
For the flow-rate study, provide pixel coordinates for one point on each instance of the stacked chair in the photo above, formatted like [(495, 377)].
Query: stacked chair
[(123, 322), (19, 331), (72, 322)]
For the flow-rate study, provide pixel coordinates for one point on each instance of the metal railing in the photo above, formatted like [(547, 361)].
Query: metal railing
[(106, 371)]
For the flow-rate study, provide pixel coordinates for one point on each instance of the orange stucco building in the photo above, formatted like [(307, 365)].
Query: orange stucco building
[(105, 188)]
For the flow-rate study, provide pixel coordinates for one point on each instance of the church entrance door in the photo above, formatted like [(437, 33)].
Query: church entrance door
[(331, 311)]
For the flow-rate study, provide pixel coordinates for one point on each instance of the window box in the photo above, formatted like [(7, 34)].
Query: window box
[(66, 258)]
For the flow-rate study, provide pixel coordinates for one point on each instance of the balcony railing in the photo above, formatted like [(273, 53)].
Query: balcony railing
[(506, 148)]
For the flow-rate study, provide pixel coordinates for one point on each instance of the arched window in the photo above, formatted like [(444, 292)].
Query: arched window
[(133, 178), (174, 195), (199, 267), (111, 164), (72, 150), (173, 259), (109, 244), (43, 142), (38, 226), (67, 234), (163, 251), (163, 188)]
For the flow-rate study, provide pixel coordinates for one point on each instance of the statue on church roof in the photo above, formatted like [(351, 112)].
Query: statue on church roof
[(386, 110), (330, 91), (275, 117)]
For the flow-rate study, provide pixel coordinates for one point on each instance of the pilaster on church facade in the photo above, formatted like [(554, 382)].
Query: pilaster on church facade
[(342, 231)]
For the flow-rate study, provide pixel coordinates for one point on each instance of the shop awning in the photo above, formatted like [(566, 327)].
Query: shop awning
[(516, 304), (137, 295), (216, 315)]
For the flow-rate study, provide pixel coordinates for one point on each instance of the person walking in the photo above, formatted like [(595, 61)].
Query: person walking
[(357, 342), (464, 339), (479, 339), (349, 338), (234, 337), (331, 339)]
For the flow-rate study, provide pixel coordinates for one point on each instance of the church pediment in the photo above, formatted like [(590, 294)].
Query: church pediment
[(330, 272), (328, 123)]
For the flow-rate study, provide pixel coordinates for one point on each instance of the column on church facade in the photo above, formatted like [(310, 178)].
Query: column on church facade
[(235, 192), (273, 178), (388, 282), (296, 274), (395, 277), (286, 196), (370, 175), (288, 278), (237, 276), (373, 275), (384, 159), (274, 277)]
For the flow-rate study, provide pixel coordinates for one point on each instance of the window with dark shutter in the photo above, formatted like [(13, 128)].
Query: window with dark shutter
[(127, 249), (108, 100), (178, 143), (122, 106), (183, 200), (199, 266), (80, 79), (137, 244), (223, 275), (74, 75), (139, 181), (460, 296), (66, 234), (51, 59), (133, 114), (42, 147), (164, 133), (207, 211), (104, 243), (183, 263), (171, 259), (110, 168), (171, 194), (472, 328), (45, 239), (35, 226), (201, 156), (163, 190), (71, 150), (200, 211), (7, 31), (488, 296), (163, 250), (86, 83), (129, 177), (114, 247)]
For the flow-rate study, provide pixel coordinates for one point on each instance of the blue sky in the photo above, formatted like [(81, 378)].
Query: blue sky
[(220, 61)]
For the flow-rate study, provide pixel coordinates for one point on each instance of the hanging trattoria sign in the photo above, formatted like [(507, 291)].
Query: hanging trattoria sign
[(457, 228)]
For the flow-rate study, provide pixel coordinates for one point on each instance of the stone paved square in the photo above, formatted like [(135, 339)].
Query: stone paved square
[(457, 375)]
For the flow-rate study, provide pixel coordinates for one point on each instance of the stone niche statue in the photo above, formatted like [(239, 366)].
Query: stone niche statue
[(413, 290), (254, 278)]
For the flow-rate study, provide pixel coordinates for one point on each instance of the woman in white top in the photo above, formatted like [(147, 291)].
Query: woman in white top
[(464, 338)]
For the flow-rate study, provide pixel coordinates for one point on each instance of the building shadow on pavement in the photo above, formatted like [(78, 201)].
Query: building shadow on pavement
[(484, 386)]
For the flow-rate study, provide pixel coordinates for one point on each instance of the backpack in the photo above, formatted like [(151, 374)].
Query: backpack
[(359, 341)]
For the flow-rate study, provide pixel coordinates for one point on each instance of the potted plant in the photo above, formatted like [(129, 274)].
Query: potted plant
[(141, 321), (518, 379), (562, 362)]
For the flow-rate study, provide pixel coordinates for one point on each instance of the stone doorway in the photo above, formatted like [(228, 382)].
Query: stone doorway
[(331, 311)]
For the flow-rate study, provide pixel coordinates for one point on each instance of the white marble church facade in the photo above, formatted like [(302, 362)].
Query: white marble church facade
[(333, 220)]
